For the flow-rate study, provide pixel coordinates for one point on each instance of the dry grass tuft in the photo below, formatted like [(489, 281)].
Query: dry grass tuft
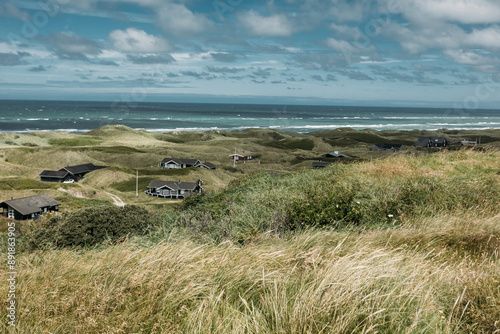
[(314, 282)]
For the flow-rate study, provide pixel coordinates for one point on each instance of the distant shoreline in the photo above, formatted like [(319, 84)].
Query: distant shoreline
[(201, 130)]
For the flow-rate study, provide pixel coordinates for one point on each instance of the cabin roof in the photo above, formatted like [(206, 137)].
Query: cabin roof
[(180, 161), (156, 184), (57, 174), (208, 165), (30, 204), (337, 154), (85, 168)]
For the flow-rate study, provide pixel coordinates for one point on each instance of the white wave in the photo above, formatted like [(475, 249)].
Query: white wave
[(434, 117)]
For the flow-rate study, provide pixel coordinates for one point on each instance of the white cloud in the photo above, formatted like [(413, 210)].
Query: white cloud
[(345, 31), (275, 25), (179, 21), (352, 52), (134, 40), (461, 11), (444, 36), (341, 46), (344, 10), (9, 10), (68, 45), (487, 38), (91, 5), (469, 57)]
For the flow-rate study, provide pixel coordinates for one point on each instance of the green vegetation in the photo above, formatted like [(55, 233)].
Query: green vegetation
[(363, 194), (30, 144), (391, 242), (184, 137), (232, 169), (91, 225), (302, 144), (111, 149), (24, 184), (130, 184), (70, 202), (78, 141)]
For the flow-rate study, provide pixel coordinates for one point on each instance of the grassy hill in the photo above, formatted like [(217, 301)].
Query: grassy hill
[(391, 243)]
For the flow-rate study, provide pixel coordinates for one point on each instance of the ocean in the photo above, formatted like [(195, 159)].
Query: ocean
[(29, 116)]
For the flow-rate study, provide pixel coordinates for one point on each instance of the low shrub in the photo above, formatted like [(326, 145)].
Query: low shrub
[(320, 207), (302, 144), (130, 184), (81, 141), (112, 149), (232, 169), (70, 202), (24, 184), (92, 225)]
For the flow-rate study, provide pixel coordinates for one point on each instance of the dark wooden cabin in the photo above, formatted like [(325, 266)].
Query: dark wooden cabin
[(177, 163), (29, 207), (242, 157), (431, 142), (76, 173), (172, 189)]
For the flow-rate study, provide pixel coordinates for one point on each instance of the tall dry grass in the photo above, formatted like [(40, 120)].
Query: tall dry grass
[(409, 280)]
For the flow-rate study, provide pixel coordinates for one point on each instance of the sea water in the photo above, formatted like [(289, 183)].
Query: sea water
[(28, 116)]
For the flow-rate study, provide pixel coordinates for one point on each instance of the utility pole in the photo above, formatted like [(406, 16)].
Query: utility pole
[(137, 183), (234, 158)]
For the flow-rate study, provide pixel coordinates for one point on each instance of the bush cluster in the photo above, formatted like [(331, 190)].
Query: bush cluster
[(92, 225), (336, 197), (325, 206), (24, 183), (295, 144)]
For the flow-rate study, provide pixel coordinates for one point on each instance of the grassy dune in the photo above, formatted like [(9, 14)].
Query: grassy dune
[(435, 278), (394, 243)]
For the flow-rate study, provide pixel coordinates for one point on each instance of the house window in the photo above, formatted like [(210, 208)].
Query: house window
[(10, 213)]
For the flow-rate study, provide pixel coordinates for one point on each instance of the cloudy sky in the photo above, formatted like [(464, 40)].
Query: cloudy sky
[(436, 53)]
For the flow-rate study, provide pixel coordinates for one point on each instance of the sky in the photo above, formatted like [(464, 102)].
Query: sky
[(432, 53)]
